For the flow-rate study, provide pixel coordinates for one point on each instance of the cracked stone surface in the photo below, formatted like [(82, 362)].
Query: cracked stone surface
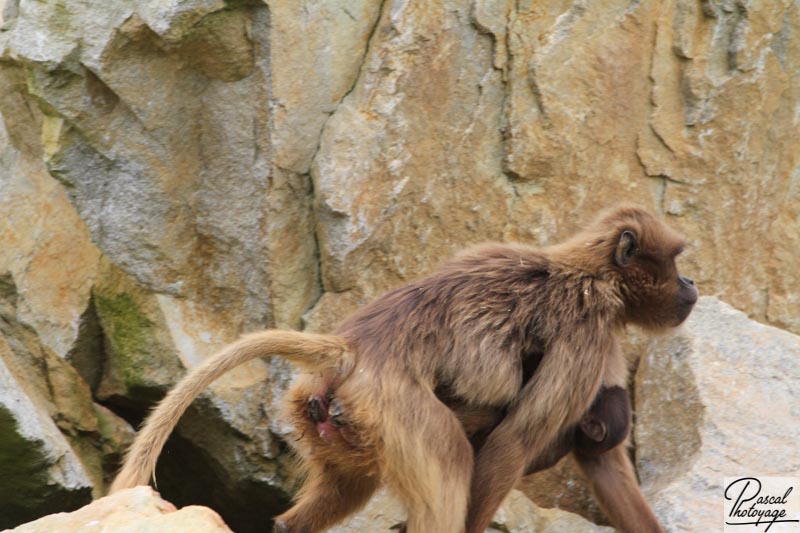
[(175, 173), (489, 120)]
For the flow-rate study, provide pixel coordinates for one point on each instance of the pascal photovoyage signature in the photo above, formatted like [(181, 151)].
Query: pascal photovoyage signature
[(751, 507)]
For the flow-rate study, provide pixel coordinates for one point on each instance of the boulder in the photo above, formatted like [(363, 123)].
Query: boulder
[(483, 120), (717, 399), (177, 131)]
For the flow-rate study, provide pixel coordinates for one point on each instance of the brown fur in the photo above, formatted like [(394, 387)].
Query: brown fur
[(502, 335)]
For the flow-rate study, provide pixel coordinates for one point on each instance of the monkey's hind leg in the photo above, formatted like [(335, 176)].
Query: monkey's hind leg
[(428, 459), (329, 494), (340, 477)]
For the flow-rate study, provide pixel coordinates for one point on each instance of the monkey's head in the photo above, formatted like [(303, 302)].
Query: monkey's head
[(634, 249)]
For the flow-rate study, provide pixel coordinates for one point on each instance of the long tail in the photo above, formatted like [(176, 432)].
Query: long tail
[(305, 349)]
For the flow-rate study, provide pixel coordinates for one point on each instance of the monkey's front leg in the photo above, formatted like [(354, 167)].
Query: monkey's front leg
[(607, 464), (560, 392), (499, 465)]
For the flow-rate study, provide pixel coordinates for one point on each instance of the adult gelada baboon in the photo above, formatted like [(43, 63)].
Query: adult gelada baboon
[(505, 342)]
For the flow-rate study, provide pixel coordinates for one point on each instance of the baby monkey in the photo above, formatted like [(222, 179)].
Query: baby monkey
[(604, 426)]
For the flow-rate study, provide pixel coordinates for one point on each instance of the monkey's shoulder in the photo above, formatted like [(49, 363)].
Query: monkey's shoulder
[(495, 261), (525, 272)]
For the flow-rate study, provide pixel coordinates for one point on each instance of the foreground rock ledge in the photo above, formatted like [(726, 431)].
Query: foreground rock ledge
[(142, 510), (517, 515), (138, 510)]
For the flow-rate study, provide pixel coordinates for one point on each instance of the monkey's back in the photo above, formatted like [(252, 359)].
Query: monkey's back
[(472, 325)]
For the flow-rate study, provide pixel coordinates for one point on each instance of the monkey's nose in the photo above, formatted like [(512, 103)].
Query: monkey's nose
[(686, 281)]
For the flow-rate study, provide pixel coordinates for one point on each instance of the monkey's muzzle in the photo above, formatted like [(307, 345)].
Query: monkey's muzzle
[(687, 297)]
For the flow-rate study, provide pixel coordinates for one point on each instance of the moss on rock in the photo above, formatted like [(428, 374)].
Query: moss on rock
[(140, 359), (126, 332)]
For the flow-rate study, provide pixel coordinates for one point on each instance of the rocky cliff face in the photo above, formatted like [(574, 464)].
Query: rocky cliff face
[(174, 173)]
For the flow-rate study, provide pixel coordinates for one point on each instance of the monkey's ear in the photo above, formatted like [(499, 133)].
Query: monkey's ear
[(626, 248), (593, 428)]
